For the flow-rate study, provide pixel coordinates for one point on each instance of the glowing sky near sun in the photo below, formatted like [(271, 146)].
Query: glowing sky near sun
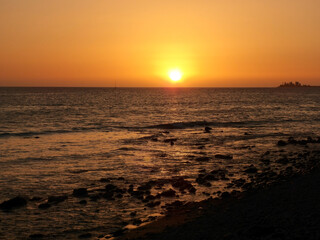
[(136, 42)]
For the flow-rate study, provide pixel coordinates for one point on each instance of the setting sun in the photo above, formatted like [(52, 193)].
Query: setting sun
[(175, 75)]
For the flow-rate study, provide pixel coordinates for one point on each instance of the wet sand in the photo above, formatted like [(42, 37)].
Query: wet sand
[(289, 209)]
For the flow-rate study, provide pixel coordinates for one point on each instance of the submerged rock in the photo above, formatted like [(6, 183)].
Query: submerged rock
[(57, 199), (251, 169), (225, 157), (281, 143), (80, 192), (207, 129), (85, 235), (36, 236), (83, 202), (153, 204), (203, 159), (168, 193), (16, 202), (182, 184), (44, 206)]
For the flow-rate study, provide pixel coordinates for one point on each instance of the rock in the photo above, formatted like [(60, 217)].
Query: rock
[(281, 143), (133, 214), (36, 236), (57, 199), (85, 235), (168, 193), (110, 187), (83, 202), (80, 192), (182, 184), (104, 180), (153, 204), (150, 198), (137, 222), (283, 161), (207, 129), (44, 206), (203, 159), (291, 140), (118, 233), (16, 202), (225, 195), (95, 197), (251, 169), (35, 199), (225, 157), (169, 140)]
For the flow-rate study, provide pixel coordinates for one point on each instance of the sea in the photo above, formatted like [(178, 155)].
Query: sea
[(55, 140)]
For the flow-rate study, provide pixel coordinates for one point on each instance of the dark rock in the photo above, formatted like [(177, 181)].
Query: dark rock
[(104, 180), (207, 129), (95, 197), (150, 198), (221, 156), (44, 206), (36, 236), (251, 169), (16, 202), (225, 195), (110, 187), (203, 159), (85, 235), (119, 195), (118, 233), (108, 195), (192, 190), (57, 199), (283, 160), (182, 184), (83, 202), (137, 222), (281, 143), (35, 199), (80, 192), (133, 214), (153, 204), (168, 193), (291, 140), (121, 178), (170, 140)]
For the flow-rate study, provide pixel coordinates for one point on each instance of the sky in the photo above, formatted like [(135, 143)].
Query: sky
[(135, 43)]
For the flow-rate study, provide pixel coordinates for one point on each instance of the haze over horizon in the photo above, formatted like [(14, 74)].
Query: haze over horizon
[(137, 43)]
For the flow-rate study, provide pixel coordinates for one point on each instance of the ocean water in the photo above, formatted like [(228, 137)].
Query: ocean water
[(53, 140)]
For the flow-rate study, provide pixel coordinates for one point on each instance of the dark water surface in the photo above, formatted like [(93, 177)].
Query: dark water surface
[(53, 140)]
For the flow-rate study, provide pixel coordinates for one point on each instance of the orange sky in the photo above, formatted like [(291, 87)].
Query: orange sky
[(220, 43)]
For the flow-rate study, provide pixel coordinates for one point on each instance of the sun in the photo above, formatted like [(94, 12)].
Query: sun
[(175, 75)]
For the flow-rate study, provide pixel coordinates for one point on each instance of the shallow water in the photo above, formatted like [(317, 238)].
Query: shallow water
[(53, 140)]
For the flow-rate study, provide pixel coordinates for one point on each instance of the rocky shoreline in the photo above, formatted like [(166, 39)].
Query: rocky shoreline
[(229, 215), (272, 206)]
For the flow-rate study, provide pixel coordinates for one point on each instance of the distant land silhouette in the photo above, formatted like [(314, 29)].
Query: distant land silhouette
[(293, 85)]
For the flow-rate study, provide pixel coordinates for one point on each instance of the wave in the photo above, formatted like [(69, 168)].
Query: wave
[(45, 132), (183, 125)]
